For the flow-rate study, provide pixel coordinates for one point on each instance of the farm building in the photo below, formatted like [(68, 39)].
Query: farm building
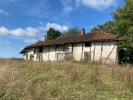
[(97, 46)]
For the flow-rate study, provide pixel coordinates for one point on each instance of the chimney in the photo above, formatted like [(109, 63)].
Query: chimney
[(82, 32)]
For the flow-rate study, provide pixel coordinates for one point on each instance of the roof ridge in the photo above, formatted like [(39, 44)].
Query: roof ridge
[(71, 35)]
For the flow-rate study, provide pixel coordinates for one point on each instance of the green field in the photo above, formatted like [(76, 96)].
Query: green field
[(20, 80)]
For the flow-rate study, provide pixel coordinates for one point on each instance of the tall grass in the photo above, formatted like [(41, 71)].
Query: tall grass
[(25, 80)]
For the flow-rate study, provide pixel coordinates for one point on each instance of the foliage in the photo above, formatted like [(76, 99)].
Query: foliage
[(53, 34), (72, 31), (124, 18), (122, 25), (108, 27)]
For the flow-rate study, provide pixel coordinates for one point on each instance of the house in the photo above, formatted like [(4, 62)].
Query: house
[(97, 46)]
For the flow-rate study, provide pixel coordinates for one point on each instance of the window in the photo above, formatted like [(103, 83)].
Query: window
[(57, 46), (40, 49), (87, 44)]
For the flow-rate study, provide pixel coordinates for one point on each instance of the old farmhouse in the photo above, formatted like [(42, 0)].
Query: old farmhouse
[(97, 46)]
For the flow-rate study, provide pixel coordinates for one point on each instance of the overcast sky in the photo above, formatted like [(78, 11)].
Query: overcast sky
[(23, 22)]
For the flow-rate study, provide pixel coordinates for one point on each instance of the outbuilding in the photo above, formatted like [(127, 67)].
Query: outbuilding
[(97, 46)]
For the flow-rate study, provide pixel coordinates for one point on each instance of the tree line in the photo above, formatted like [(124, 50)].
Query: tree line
[(53, 34)]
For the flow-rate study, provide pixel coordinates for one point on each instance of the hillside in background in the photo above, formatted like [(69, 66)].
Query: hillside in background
[(20, 80)]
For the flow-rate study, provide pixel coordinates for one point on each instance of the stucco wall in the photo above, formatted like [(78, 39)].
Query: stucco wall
[(29, 52), (77, 51), (52, 52), (46, 53), (105, 52), (109, 53)]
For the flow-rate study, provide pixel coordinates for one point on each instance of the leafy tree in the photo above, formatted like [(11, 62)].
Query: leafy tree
[(53, 34), (122, 25), (123, 21), (72, 31), (107, 27), (124, 18)]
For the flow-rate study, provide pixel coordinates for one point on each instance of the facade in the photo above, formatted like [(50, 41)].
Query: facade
[(98, 46)]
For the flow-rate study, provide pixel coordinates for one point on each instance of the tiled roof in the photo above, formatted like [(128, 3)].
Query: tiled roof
[(97, 36)]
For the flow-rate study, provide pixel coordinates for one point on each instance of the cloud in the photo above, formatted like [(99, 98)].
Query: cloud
[(68, 9), (31, 35), (61, 28), (3, 12), (68, 5), (71, 5), (96, 4), (43, 29), (19, 32), (32, 32), (30, 41)]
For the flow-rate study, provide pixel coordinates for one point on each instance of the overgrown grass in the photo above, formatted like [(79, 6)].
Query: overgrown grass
[(20, 80)]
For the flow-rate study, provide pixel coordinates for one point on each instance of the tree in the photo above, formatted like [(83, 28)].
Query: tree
[(53, 34), (122, 25), (108, 27), (72, 31), (124, 18)]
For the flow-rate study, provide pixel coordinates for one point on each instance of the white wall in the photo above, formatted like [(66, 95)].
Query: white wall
[(29, 52), (104, 51), (52, 56), (77, 51), (46, 53), (109, 53), (50, 53), (100, 51)]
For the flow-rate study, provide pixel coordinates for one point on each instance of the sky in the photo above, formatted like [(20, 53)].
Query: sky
[(23, 22)]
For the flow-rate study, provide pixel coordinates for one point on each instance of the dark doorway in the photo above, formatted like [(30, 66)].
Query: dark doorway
[(40, 49), (125, 55)]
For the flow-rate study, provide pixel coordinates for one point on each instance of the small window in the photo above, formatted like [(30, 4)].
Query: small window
[(41, 49), (87, 44), (57, 46)]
